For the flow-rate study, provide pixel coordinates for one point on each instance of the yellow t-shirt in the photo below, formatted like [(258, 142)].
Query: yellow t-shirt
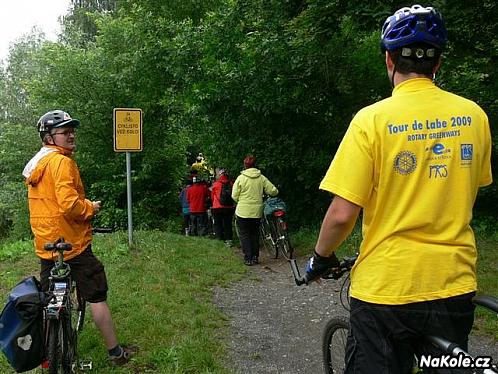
[(414, 162)]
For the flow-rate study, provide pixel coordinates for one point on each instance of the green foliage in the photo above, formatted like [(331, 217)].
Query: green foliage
[(15, 250), (283, 90), (17, 145), (277, 79)]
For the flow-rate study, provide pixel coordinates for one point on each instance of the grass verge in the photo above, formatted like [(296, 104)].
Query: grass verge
[(161, 299)]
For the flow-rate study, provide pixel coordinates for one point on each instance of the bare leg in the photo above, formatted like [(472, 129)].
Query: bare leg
[(103, 320)]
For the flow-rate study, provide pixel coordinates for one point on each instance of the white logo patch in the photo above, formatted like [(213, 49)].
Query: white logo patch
[(24, 342)]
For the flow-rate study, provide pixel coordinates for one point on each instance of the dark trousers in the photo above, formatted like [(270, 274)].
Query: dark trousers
[(186, 224), (384, 338), (249, 236), (198, 224), (223, 223)]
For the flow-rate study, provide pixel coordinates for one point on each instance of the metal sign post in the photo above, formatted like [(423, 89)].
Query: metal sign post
[(128, 199), (128, 138)]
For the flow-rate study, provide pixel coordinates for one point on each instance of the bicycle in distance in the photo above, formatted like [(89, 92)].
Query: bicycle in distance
[(336, 331), (274, 229)]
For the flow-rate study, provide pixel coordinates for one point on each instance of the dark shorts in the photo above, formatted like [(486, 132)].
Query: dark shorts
[(385, 338), (87, 271)]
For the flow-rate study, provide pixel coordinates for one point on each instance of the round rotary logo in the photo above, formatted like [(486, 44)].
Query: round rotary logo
[(405, 162)]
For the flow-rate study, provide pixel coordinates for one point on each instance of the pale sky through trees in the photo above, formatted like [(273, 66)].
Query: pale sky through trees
[(18, 17)]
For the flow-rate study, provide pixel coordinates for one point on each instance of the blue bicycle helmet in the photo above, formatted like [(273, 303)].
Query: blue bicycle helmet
[(417, 24)]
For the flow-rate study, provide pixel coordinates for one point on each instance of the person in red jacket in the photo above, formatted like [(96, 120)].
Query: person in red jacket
[(222, 208), (197, 197)]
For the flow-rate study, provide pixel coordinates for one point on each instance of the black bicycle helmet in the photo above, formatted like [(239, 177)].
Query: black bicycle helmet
[(55, 119), (417, 24)]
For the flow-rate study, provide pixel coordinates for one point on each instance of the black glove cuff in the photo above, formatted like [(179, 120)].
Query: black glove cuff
[(332, 261)]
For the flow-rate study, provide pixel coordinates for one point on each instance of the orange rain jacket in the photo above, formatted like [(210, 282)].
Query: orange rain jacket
[(57, 204)]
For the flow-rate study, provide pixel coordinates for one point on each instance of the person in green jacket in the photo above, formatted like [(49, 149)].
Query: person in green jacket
[(247, 192)]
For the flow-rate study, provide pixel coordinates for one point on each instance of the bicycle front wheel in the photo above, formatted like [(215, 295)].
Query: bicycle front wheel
[(334, 340)]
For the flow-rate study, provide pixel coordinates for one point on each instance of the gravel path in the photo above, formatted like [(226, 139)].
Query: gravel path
[(276, 326)]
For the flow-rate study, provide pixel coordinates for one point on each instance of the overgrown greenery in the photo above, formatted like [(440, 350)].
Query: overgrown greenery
[(280, 79)]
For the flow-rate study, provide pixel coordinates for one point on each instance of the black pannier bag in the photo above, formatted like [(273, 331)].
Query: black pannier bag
[(21, 326)]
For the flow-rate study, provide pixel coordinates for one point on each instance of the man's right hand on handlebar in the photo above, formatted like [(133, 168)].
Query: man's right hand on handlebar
[(96, 206), (319, 266)]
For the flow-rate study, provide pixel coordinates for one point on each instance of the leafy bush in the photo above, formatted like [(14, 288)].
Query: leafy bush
[(15, 249), (17, 145)]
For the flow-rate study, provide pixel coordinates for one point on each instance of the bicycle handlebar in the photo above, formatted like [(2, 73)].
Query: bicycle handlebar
[(102, 230), (62, 245), (334, 273), (59, 245)]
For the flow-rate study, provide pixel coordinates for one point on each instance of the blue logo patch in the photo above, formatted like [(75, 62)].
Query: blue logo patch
[(438, 149), (466, 152), (405, 162)]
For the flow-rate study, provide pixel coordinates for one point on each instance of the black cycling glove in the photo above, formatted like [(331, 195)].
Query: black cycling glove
[(318, 266)]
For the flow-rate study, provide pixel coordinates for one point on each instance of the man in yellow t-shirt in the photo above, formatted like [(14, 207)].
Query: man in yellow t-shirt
[(419, 158)]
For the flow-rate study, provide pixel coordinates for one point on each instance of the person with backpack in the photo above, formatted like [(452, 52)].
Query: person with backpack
[(247, 192), (222, 209)]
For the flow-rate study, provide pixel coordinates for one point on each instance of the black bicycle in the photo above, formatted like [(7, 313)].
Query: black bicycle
[(336, 331), (274, 233), (64, 314)]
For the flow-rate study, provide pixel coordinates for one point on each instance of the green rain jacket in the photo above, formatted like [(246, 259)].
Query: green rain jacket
[(248, 191)]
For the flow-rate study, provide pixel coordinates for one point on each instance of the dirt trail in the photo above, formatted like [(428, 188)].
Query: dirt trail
[(276, 327)]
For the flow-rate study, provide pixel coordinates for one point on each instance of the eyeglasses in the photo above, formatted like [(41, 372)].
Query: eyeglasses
[(66, 132)]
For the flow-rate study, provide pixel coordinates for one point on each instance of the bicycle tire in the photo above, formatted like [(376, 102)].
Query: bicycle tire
[(284, 242), (266, 239), (54, 349), (68, 345), (334, 341)]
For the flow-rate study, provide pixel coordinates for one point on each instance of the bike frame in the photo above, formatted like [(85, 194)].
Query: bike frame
[(60, 284), (58, 313)]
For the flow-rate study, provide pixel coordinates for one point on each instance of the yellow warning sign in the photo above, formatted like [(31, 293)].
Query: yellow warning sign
[(128, 130)]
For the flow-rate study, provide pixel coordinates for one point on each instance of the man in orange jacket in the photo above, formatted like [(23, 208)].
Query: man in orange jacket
[(58, 209)]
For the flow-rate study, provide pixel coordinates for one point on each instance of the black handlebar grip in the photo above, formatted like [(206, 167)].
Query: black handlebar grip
[(64, 246), (49, 246)]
